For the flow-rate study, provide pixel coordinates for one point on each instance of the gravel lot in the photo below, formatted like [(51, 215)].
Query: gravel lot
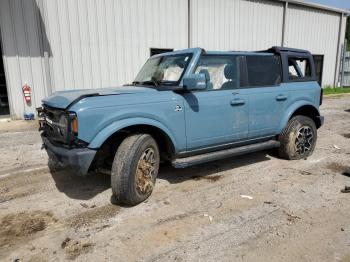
[(297, 212)]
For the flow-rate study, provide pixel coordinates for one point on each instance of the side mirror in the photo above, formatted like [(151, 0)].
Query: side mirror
[(194, 82)]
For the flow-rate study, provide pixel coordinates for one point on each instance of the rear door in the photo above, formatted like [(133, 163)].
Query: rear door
[(267, 97)]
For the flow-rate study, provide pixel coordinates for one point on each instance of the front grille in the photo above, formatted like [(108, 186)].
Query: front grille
[(54, 130)]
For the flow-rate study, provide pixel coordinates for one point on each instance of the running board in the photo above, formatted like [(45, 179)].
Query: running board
[(216, 155)]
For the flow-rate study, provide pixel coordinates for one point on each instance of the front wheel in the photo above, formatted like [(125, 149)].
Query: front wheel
[(135, 169), (298, 139)]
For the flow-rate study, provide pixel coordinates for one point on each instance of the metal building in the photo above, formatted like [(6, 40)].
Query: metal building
[(54, 45)]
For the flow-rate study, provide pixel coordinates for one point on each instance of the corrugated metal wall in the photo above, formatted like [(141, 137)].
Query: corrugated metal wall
[(346, 80), (57, 45), (64, 44), (22, 53), (104, 43), (256, 25), (341, 45), (316, 31), (236, 24)]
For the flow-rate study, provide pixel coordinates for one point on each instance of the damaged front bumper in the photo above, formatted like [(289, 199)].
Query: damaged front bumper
[(79, 159)]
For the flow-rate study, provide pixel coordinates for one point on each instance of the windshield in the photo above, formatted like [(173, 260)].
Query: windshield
[(163, 70)]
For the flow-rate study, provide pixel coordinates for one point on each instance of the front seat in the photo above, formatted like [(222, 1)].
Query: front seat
[(207, 78), (230, 73)]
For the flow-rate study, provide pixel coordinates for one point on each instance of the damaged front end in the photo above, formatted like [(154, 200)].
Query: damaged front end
[(59, 129)]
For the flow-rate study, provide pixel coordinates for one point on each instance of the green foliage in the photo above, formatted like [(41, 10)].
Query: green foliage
[(330, 90)]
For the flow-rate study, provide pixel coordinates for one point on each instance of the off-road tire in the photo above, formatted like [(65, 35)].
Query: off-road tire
[(288, 138), (125, 166)]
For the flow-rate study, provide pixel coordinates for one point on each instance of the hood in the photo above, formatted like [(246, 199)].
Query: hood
[(63, 99)]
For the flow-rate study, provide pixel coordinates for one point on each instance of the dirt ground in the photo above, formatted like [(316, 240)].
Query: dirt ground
[(296, 211)]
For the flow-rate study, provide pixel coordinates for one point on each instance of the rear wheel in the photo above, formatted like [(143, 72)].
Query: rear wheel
[(298, 139), (135, 169)]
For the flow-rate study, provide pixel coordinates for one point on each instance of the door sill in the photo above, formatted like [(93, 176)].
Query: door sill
[(216, 155)]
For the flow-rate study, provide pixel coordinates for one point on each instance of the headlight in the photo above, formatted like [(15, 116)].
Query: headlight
[(63, 124)]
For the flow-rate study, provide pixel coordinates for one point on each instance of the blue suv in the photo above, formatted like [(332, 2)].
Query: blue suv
[(186, 107)]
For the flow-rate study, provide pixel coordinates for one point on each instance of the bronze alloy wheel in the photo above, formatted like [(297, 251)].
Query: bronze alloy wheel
[(135, 169), (145, 171)]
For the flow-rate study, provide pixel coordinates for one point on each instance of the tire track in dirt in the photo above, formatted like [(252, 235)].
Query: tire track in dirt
[(18, 228), (22, 185)]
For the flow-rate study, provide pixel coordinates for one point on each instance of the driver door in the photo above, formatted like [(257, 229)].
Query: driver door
[(218, 115)]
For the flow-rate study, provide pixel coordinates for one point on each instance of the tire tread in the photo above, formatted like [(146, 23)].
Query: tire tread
[(122, 168), (285, 150)]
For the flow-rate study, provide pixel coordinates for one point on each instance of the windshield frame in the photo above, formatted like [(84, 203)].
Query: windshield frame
[(171, 83)]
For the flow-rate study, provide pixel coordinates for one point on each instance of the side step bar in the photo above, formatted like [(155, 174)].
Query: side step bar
[(216, 155)]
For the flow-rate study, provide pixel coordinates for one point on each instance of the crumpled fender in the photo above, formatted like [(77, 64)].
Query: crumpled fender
[(109, 130)]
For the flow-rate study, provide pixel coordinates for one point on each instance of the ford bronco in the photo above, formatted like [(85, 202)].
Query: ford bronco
[(186, 107)]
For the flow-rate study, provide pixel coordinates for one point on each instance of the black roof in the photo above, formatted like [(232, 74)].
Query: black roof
[(280, 49)]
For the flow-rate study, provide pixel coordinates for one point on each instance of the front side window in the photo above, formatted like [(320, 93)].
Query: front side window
[(163, 70), (263, 70), (298, 68), (221, 72)]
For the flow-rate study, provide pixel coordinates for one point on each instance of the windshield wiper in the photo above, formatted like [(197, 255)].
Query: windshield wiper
[(150, 82), (167, 82), (136, 83)]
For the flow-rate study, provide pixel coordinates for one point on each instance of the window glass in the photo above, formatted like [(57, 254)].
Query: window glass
[(222, 72), (298, 68), (263, 70), (163, 70), (318, 60)]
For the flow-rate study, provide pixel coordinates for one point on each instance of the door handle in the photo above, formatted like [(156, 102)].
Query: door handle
[(237, 102), (281, 97)]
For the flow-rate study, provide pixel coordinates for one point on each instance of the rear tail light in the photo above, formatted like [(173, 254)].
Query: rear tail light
[(321, 96)]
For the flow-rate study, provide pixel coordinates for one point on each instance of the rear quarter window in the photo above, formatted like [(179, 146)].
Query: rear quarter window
[(298, 68), (263, 70)]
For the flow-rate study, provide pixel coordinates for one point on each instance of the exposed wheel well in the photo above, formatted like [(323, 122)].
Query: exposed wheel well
[(308, 111), (105, 154)]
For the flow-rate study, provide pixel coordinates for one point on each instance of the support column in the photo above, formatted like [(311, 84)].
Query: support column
[(189, 25), (284, 23)]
